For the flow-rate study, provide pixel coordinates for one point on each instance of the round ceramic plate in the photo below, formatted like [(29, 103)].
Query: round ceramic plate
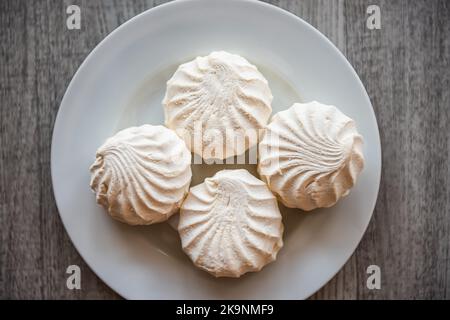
[(122, 83)]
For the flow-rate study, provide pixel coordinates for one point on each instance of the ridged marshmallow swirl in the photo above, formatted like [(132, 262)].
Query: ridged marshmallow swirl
[(231, 224), (215, 100), (310, 155), (142, 174)]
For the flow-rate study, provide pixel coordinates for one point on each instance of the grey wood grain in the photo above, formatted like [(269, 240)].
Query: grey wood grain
[(404, 67)]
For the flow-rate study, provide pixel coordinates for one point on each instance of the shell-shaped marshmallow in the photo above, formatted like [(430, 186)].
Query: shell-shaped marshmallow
[(231, 224), (310, 155), (218, 104), (142, 174)]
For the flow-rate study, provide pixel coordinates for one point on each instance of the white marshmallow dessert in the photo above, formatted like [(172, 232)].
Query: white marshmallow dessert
[(218, 104), (230, 224), (310, 155), (142, 174)]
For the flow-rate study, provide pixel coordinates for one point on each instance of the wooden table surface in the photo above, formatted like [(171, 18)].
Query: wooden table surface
[(404, 67)]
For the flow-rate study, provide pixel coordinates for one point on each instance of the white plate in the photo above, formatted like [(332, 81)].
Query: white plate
[(122, 83)]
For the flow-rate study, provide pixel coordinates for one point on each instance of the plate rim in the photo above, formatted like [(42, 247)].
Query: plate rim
[(155, 10)]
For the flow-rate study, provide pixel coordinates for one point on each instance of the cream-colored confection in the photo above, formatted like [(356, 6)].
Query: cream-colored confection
[(310, 155), (231, 224), (217, 104), (142, 174)]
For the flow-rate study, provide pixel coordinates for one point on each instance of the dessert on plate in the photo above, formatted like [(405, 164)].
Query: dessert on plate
[(218, 104), (230, 224), (141, 174), (310, 155)]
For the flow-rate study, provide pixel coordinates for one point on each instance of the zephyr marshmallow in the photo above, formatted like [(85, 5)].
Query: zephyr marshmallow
[(218, 104), (230, 224), (310, 155), (142, 174)]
